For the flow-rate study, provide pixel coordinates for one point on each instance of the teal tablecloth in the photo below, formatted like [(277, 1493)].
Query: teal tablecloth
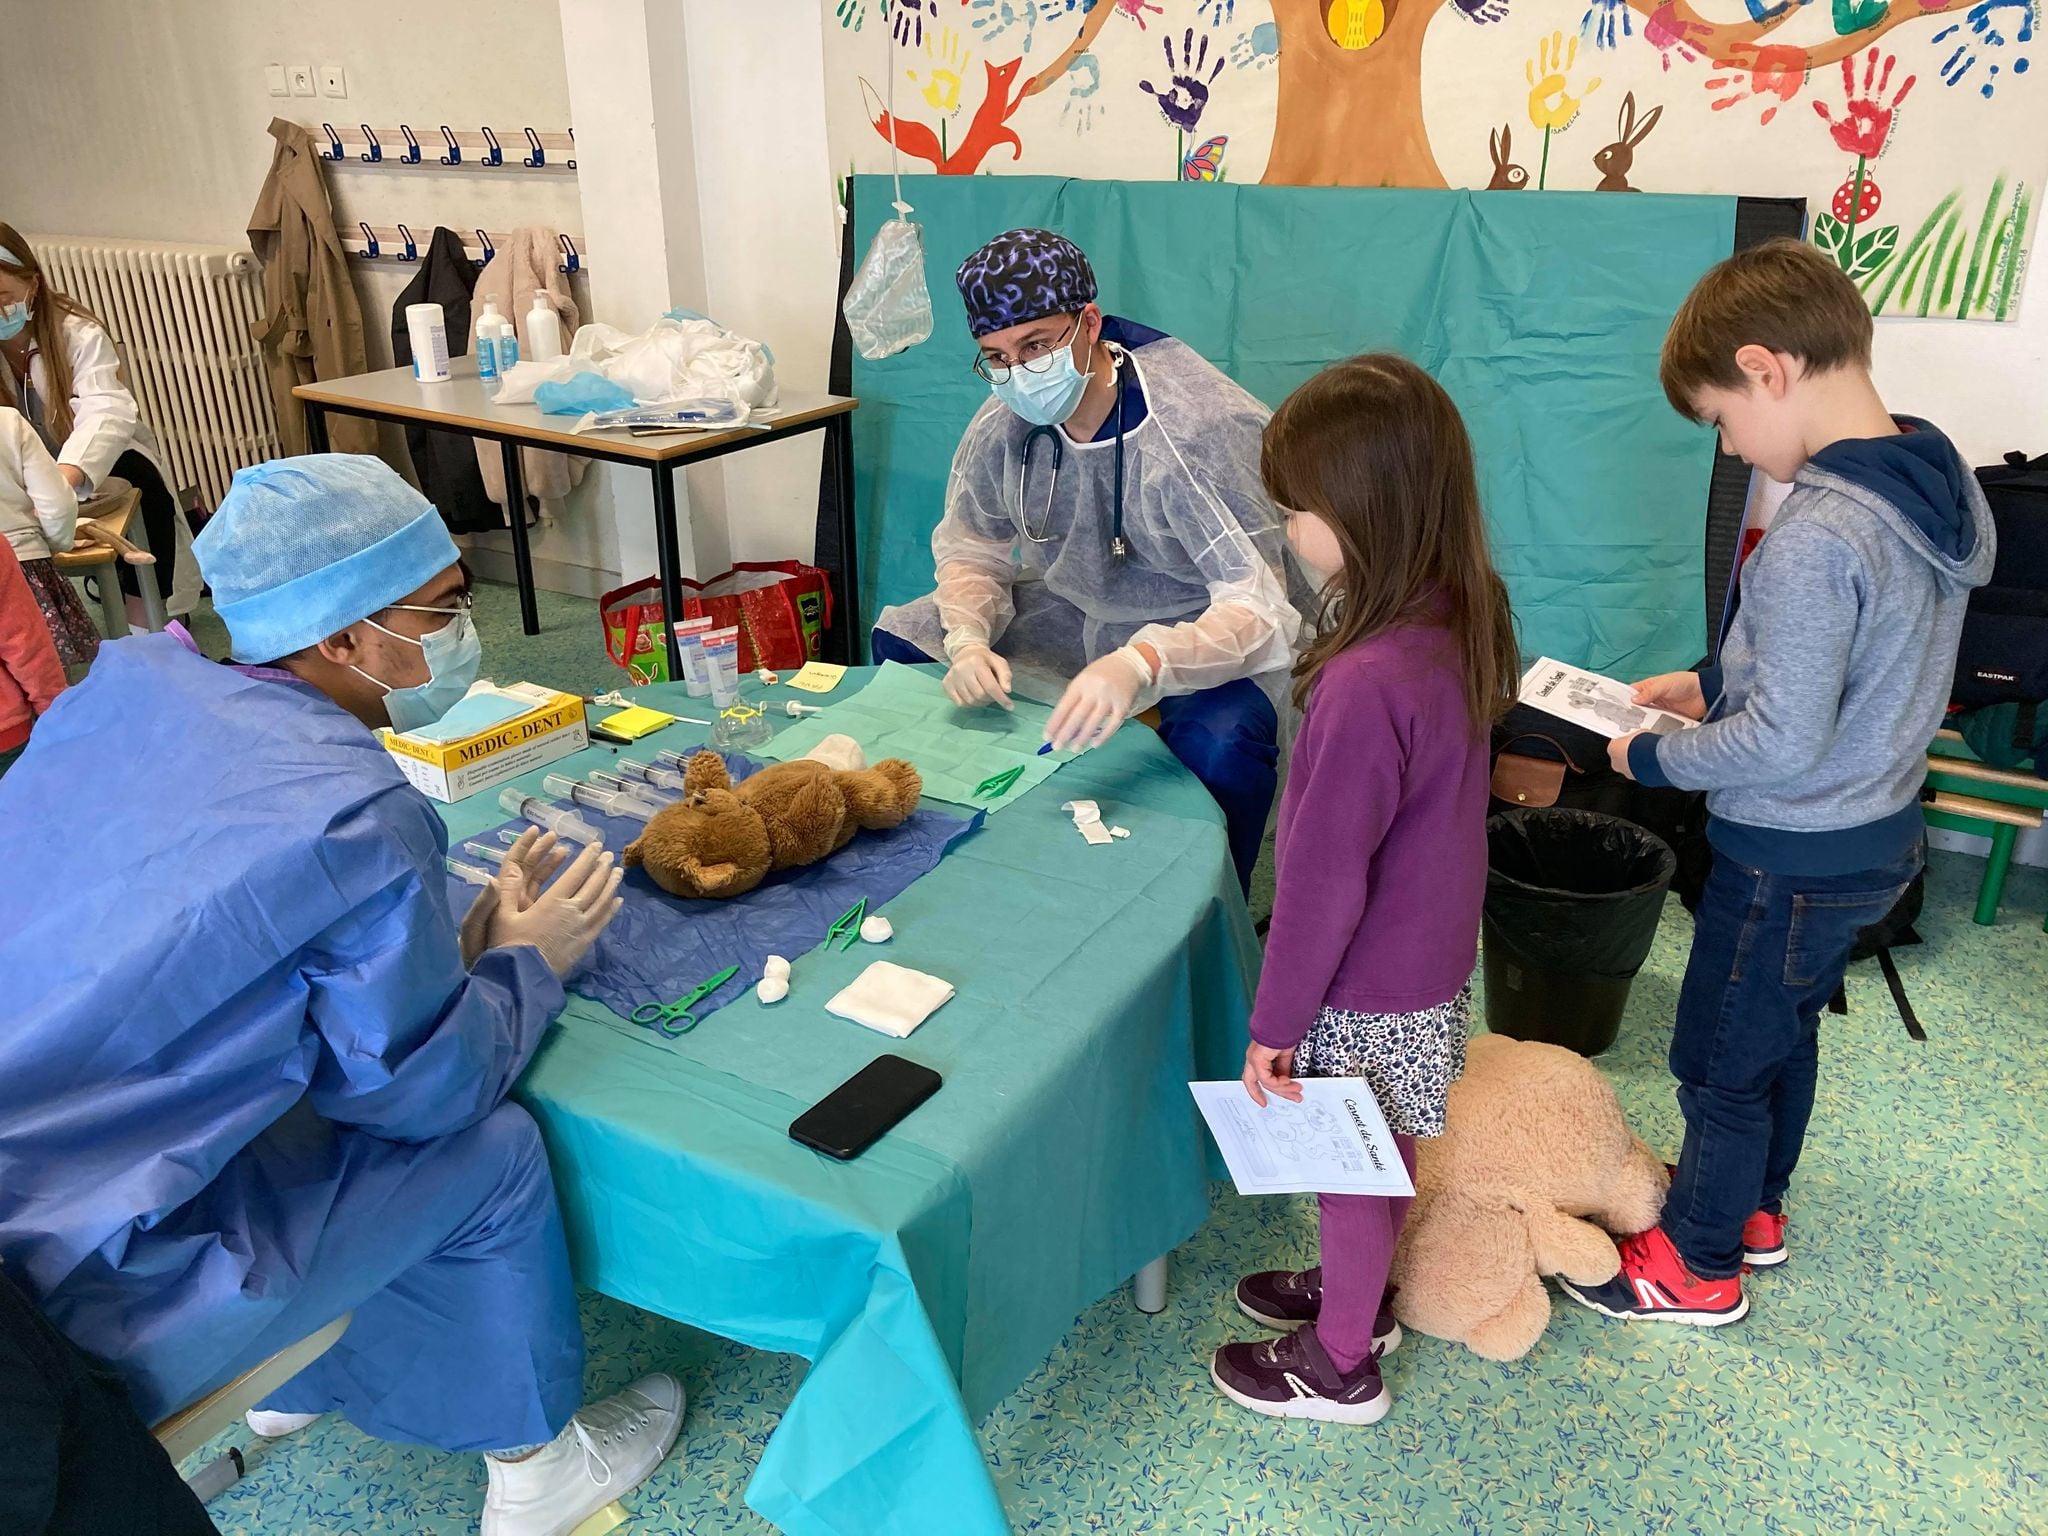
[(925, 1280)]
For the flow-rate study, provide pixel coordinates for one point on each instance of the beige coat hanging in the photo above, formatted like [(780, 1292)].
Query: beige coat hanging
[(526, 263)]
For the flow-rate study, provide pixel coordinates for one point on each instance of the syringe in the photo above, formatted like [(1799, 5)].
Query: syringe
[(647, 773), (558, 819), (463, 870), (639, 790), (605, 800)]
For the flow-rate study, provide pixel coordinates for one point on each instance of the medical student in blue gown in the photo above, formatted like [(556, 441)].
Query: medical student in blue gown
[(1105, 530), (253, 1071)]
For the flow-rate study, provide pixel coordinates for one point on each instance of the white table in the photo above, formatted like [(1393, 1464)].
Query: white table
[(460, 404)]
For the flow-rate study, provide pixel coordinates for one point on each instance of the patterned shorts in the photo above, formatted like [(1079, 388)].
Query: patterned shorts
[(1409, 1060)]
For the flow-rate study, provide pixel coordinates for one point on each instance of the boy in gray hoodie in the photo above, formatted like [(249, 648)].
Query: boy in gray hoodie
[(1832, 681)]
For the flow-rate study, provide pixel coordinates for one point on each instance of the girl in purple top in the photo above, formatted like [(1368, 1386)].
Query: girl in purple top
[(1382, 841)]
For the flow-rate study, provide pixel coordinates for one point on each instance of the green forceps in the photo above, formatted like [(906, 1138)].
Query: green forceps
[(675, 1018), (998, 785), (848, 926)]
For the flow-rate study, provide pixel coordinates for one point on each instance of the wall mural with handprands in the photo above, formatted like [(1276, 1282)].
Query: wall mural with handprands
[(1916, 130)]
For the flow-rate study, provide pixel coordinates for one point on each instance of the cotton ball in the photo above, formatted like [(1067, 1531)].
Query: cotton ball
[(776, 968), (772, 989), (877, 929)]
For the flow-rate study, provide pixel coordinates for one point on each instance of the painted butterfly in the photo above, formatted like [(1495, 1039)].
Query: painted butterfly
[(1206, 162)]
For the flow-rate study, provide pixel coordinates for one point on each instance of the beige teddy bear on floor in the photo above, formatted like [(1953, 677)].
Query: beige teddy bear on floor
[(1534, 1152)]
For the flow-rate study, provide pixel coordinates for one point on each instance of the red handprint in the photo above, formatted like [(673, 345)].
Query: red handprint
[(1864, 124), (1775, 75), (1670, 33)]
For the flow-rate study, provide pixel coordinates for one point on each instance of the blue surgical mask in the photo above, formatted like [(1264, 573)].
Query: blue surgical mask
[(454, 656), (1044, 399), (13, 319)]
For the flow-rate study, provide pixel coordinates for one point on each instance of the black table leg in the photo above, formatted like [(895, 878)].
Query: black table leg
[(515, 517), (853, 634), (665, 556), (316, 427)]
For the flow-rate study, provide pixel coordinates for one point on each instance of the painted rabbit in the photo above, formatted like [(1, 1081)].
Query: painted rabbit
[(1614, 161), (1507, 176)]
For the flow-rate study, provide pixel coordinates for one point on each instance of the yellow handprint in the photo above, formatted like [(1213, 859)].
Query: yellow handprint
[(1551, 106), (948, 65)]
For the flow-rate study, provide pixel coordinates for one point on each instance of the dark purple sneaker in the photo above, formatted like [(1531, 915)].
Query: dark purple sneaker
[(1293, 1377), (1287, 1298)]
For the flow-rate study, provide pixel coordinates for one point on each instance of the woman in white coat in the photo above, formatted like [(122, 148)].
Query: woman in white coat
[(63, 374)]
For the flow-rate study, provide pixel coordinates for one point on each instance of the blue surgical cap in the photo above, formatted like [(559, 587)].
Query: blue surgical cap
[(303, 547), (1023, 274)]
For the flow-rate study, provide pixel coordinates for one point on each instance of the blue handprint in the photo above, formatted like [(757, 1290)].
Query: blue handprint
[(1483, 12), (993, 18), (1607, 22), (1984, 21), (1084, 79), (1056, 10), (1257, 48), (1217, 12)]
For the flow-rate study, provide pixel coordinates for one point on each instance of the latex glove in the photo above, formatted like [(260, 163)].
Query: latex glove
[(565, 919), (1098, 701), (1678, 692), (1269, 1071), (529, 864), (978, 676)]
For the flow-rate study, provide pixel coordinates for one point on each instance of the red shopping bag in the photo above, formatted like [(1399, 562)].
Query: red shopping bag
[(782, 609)]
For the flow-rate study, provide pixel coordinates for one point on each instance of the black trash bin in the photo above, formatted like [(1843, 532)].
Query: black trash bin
[(1572, 903)]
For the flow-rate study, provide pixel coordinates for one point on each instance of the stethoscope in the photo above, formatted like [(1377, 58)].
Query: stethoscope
[(1119, 549)]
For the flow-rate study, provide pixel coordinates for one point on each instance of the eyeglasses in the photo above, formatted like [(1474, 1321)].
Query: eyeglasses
[(1035, 357)]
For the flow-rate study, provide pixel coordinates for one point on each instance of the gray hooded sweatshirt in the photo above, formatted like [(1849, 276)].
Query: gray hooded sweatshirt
[(1835, 675)]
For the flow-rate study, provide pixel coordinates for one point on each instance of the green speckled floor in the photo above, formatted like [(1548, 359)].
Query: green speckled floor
[(1890, 1378)]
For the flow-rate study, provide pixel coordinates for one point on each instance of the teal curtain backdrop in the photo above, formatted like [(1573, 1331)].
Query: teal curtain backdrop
[(1541, 313)]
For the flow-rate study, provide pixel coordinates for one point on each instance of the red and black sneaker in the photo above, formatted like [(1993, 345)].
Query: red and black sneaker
[(1763, 1240), (1655, 1283), (1287, 1298), (1763, 1235)]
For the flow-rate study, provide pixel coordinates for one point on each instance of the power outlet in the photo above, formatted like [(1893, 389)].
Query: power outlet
[(274, 76), (332, 81), (302, 79)]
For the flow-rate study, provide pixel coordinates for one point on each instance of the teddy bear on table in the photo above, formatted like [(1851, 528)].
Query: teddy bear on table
[(1534, 1143), (723, 839)]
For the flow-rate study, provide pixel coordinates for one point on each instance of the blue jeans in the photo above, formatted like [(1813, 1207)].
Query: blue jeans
[(1228, 737), (1768, 952)]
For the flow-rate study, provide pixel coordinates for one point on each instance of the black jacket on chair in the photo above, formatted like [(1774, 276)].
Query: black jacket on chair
[(445, 462)]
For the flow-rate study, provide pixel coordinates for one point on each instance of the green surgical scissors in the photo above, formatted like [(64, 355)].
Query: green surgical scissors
[(675, 1018)]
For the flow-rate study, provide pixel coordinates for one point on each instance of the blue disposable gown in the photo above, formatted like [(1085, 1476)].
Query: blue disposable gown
[(246, 1083)]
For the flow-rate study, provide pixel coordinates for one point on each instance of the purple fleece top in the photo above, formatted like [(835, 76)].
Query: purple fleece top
[(1382, 842)]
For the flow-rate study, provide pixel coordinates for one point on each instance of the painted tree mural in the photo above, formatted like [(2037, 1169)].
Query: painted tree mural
[(1777, 97), (1350, 111)]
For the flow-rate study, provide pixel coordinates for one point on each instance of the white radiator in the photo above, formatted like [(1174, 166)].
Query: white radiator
[(180, 315)]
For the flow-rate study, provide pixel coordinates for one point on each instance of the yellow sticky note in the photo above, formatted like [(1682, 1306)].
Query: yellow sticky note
[(818, 677), (636, 721)]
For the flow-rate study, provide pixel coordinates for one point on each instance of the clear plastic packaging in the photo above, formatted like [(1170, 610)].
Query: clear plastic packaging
[(658, 799), (706, 414), (647, 773), (463, 870), (485, 852), (888, 309)]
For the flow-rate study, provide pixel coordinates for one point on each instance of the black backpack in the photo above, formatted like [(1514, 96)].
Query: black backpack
[(2003, 655)]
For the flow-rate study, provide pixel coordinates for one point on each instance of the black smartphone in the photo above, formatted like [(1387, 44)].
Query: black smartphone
[(849, 1119)]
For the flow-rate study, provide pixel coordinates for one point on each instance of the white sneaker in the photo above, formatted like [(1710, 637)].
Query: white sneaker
[(275, 1426), (608, 1450)]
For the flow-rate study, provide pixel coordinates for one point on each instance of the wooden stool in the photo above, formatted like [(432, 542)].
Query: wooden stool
[(100, 540), (1974, 797)]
